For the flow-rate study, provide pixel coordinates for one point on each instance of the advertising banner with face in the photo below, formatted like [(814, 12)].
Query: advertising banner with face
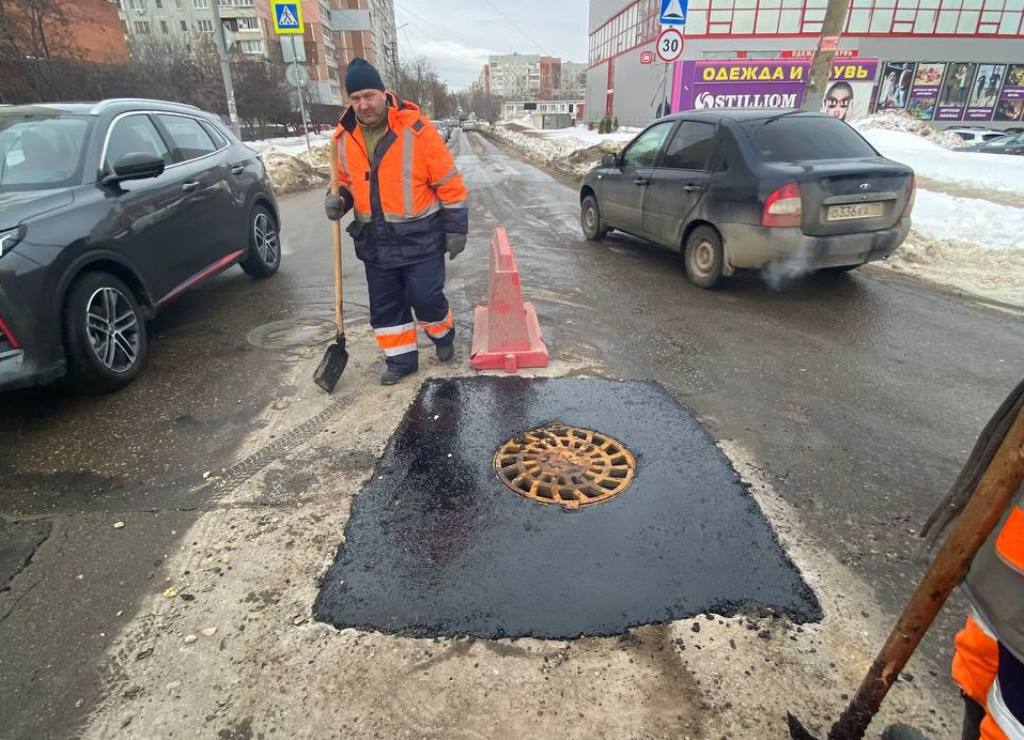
[(985, 92), (1011, 102), (894, 90), (773, 83), (848, 96), (924, 93), (955, 91)]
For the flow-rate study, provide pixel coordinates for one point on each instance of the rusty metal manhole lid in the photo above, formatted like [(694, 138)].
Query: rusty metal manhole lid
[(563, 465)]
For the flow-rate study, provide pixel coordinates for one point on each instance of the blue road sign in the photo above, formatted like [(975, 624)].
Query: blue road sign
[(287, 17), (673, 12)]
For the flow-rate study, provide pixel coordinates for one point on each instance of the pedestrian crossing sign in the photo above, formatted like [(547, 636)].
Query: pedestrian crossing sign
[(673, 12), (287, 17)]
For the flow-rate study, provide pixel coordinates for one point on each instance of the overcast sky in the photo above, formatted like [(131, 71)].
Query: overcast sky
[(458, 35)]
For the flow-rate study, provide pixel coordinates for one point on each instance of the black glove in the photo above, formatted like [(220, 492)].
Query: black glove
[(338, 205), (454, 243)]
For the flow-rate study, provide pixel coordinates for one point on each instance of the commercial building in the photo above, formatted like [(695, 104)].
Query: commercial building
[(946, 61)]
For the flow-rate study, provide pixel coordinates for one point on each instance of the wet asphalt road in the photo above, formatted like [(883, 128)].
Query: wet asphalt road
[(860, 396)]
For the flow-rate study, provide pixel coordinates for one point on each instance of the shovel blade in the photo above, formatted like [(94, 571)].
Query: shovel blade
[(331, 366)]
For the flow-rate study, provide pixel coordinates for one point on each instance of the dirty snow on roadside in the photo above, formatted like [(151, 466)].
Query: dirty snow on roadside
[(968, 221), (290, 166)]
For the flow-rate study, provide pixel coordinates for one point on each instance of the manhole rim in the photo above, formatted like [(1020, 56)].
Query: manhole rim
[(619, 465)]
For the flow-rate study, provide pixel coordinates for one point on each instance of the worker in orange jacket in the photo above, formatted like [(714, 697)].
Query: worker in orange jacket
[(397, 174), (989, 661)]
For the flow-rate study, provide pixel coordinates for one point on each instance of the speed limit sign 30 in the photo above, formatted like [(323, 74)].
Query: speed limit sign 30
[(670, 45)]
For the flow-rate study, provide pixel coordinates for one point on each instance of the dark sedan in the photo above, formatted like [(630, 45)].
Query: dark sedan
[(745, 189), (107, 212)]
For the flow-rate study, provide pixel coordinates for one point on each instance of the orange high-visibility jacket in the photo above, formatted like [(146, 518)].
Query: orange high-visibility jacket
[(989, 660), (408, 195)]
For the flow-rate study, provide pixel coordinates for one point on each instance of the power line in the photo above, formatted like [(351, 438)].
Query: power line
[(521, 31)]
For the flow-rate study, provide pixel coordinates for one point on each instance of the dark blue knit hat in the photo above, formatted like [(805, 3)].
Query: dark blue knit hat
[(362, 75)]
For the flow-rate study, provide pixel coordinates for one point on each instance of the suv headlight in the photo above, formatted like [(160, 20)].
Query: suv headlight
[(9, 238)]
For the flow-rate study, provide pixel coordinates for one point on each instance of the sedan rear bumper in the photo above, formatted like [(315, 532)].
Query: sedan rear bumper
[(753, 247)]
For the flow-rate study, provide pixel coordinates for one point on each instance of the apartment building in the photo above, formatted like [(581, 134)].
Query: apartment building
[(95, 31), (377, 45), (247, 25), (532, 77)]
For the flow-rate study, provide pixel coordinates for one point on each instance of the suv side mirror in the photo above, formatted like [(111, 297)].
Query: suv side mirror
[(610, 160), (136, 166)]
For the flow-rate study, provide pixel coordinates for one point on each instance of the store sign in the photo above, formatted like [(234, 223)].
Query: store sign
[(955, 91), (924, 91), (985, 92), (1011, 102), (774, 83)]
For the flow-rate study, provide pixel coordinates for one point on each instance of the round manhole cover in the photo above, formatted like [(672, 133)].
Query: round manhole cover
[(290, 333), (562, 465)]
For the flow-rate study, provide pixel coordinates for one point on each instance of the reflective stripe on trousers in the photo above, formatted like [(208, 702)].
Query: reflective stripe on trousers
[(396, 340), (438, 329)]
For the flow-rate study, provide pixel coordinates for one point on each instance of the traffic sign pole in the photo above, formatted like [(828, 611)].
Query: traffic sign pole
[(286, 16), (302, 103)]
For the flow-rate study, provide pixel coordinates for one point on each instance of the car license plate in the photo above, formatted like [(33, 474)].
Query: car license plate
[(855, 210)]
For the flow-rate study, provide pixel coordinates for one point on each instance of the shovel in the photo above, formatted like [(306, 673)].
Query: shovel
[(336, 357), (985, 489)]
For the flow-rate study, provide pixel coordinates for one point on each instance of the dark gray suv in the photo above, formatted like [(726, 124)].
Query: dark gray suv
[(108, 211), (744, 189)]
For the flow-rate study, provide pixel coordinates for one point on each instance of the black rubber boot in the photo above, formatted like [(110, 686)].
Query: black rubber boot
[(446, 352), (902, 732), (390, 376)]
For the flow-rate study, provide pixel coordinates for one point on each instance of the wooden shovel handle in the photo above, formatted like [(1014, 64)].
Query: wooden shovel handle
[(979, 517), (339, 315)]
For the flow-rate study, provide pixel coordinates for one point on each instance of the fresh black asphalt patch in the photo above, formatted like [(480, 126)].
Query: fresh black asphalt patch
[(436, 545)]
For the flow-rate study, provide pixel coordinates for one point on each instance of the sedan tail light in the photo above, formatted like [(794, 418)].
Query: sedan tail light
[(911, 197), (7, 336), (783, 208)]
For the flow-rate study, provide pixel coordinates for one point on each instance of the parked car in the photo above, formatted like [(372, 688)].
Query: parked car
[(734, 189), (442, 128), (976, 134), (108, 211), (1011, 144)]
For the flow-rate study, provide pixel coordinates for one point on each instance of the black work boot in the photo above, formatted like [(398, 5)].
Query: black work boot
[(446, 352), (390, 376)]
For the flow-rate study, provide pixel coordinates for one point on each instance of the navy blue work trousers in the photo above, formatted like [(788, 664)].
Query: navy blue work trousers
[(396, 294)]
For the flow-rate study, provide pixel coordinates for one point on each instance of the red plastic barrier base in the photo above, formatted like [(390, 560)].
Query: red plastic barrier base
[(506, 332)]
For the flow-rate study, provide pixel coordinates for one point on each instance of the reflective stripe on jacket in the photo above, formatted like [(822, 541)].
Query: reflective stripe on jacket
[(408, 195), (995, 581)]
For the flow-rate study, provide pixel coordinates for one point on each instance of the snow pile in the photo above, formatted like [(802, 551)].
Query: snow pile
[(990, 273), (898, 120), (572, 151), (290, 166), (967, 243), (968, 221), (939, 168)]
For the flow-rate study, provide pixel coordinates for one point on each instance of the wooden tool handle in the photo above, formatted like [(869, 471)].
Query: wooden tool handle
[(339, 315), (979, 517)]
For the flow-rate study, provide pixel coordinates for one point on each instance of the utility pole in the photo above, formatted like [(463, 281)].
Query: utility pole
[(821, 66), (221, 43)]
